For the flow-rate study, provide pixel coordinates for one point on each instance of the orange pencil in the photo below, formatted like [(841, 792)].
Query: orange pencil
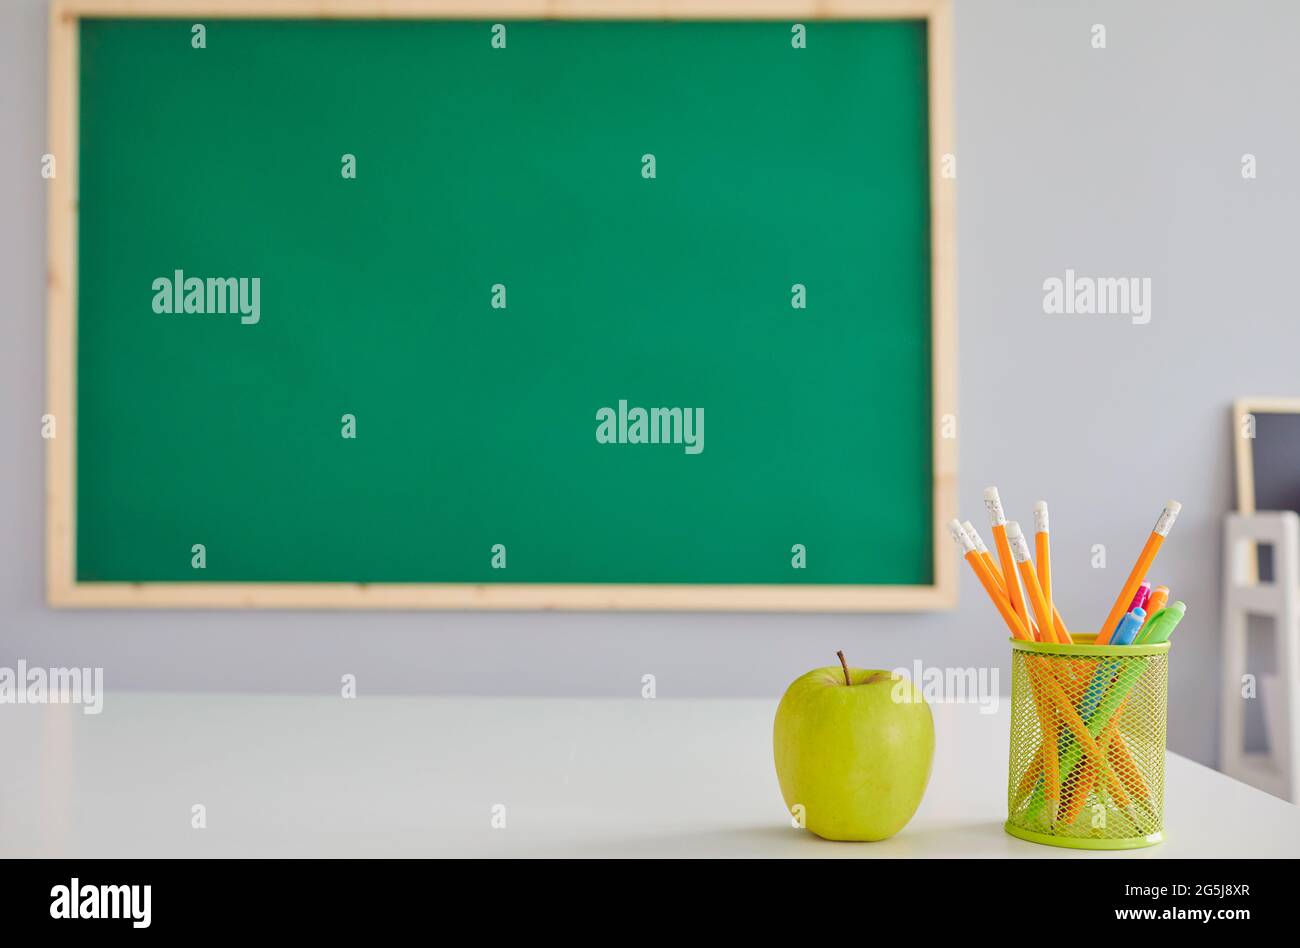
[(1043, 561), (1020, 553), (993, 504), (1144, 560), (1051, 763), (1078, 784), (1070, 716), (988, 581), (1057, 622), (1117, 755), (977, 554), (983, 550)]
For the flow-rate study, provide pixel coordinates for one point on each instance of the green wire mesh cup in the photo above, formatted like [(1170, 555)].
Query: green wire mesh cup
[(1088, 743)]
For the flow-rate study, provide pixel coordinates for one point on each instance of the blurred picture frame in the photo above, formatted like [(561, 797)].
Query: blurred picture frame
[(1261, 462)]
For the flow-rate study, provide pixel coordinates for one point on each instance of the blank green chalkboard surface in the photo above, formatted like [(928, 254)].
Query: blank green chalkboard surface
[(574, 313)]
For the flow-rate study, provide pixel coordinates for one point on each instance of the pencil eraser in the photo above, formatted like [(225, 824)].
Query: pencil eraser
[(993, 504), (975, 537), (1167, 518), (959, 535), (1016, 537), (1040, 517)]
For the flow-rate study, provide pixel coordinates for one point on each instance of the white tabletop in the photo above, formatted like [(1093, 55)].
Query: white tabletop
[(319, 776)]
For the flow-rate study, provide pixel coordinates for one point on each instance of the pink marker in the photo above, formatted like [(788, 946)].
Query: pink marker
[(1141, 596)]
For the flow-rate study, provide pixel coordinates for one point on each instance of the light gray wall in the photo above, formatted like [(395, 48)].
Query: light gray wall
[(1123, 161)]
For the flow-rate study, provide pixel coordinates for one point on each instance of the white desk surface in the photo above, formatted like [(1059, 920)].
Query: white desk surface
[(321, 776)]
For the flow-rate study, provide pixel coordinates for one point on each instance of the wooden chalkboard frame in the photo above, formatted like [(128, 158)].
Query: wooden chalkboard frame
[(1244, 458), (63, 589)]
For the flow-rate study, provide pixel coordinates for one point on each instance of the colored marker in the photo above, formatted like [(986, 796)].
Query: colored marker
[(1106, 670), (1159, 599), (1163, 623), (1140, 568), (1128, 627), (1096, 722), (1141, 596)]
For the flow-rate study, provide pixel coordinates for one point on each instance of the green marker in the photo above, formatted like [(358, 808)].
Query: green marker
[(1161, 625)]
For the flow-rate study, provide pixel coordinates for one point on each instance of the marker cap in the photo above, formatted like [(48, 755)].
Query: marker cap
[(1163, 623), (1159, 598), (1141, 597), (1128, 627)]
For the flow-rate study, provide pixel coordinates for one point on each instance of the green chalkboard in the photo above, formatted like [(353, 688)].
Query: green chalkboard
[(459, 255)]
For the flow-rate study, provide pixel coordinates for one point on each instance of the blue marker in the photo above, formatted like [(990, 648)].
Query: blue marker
[(1128, 627), (1107, 669)]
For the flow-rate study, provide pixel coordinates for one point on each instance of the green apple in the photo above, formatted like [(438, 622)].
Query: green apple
[(853, 749)]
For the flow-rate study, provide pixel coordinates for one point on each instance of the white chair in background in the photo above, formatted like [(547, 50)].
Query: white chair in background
[(1276, 771)]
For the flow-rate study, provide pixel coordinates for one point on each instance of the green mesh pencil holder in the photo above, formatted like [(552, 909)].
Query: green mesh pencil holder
[(1088, 744)]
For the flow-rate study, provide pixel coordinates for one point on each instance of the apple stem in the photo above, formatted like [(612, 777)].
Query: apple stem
[(847, 681)]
